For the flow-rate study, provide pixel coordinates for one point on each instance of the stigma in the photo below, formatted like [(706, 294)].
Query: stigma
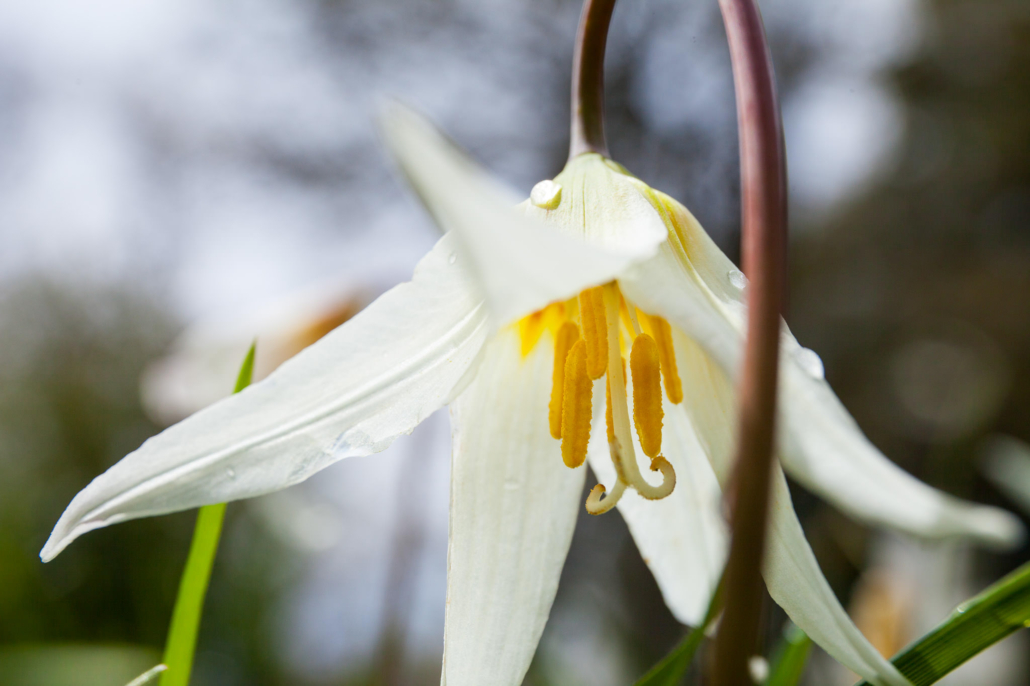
[(592, 333)]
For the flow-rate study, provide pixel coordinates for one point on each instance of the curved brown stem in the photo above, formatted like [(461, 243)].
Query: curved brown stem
[(587, 133), (763, 177)]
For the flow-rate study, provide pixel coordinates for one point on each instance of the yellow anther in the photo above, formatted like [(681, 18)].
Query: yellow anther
[(647, 394), (566, 337), (595, 330), (576, 407), (667, 354)]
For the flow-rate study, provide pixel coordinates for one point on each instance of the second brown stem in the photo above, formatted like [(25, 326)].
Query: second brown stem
[(764, 227)]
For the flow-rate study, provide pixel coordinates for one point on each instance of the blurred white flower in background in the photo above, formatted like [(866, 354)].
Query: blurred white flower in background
[(205, 358), (908, 588)]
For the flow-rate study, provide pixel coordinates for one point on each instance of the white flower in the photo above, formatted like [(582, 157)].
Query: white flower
[(478, 327)]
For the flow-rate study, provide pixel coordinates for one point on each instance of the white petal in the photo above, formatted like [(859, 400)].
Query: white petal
[(513, 510), (1008, 468), (796, 583), (791, 572), (351, 393), (683, 537), (824, 449), (605, 205), (819, 443), (521, 263)]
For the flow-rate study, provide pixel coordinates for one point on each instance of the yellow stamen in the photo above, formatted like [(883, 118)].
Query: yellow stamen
[(596, 505), (647, 394), (660, 464), (666, 353), (576, 407), (567, 336), (595, 330)]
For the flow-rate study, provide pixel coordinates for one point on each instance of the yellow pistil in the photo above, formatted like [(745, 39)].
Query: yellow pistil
[(622, 448), (567, 336), (576, 407), (608, 404), (647, 394), (666, 353), (592, 314), (598, 504)]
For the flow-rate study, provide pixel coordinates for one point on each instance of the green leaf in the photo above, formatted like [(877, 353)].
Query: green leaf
[(977, 624), (791, 655), (189, 605), (670, 670)]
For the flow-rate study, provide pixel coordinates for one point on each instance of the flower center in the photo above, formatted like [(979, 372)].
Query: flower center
[(590, 334)]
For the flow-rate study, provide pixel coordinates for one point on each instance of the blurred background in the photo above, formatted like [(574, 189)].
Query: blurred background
[(214, 167)]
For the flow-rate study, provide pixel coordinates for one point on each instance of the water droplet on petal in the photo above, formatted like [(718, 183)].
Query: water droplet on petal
[(737, 279), (810, 361), (546, 195), (230, 472), (452, 258)]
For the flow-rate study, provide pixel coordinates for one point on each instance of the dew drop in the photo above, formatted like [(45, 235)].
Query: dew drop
[(230, 472), (452, 258), (737, 279), (546, 195), (810, 362)]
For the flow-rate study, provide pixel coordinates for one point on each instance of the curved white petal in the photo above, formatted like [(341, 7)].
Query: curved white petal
[(796, 583), (683, 537), (1008, 468), (825, 450), (521, 263), (513, 510), (819, 443), (351, 393), (791, 571)]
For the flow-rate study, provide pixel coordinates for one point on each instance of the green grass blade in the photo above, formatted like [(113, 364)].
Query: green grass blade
[(189, 605), (977, 624), (148, 676), (791, 656), (670, 670)]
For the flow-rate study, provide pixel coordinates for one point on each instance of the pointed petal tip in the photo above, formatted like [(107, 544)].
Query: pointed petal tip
[(66, 531), (53, 546), (996, 528)]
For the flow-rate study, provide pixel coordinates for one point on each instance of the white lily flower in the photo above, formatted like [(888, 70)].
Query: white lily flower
[(524, 322)]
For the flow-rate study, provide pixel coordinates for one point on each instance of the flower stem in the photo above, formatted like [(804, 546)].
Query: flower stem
[(764, 227), (587, 133)]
